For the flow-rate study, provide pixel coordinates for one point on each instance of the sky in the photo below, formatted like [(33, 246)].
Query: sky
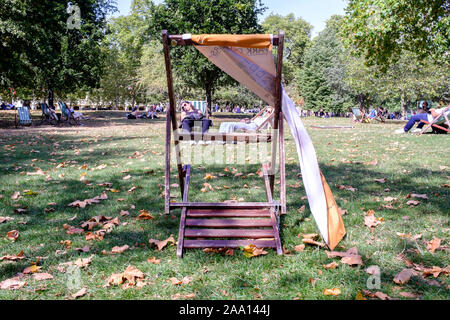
[(316, 12)]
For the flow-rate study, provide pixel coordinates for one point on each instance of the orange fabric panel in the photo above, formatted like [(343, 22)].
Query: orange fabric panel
[(234, 40), (336, 228)]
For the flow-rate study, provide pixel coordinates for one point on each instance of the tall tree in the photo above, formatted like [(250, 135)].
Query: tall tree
[(197, 17), (46, 45), (297, 36), (382, 29), (321, 79)]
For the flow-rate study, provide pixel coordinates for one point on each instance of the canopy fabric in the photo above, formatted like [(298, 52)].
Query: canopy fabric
[(256, 70), (234, 40)]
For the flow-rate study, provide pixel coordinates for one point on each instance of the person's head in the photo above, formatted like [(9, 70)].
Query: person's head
[(425, 105), (187, 107)]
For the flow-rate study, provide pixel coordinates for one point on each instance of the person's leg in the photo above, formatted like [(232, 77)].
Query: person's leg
[(187, 125), (414, 119), (206, 123)]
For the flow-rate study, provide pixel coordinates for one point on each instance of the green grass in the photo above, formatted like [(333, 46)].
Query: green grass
[(410, 164)]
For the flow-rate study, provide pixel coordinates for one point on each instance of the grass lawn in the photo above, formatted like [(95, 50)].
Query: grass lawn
[(52, 167)]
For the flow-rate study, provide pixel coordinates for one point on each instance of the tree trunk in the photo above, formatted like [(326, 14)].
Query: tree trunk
[(208, 89), (50, 97), (402, 101)]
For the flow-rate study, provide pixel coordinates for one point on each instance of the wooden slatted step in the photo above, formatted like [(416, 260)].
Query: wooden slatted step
[(229, 233), (228, 243), (223, 205), (224, 223), (208, 213)]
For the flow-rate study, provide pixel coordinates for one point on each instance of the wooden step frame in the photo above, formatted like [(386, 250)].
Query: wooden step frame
[(269, 210)]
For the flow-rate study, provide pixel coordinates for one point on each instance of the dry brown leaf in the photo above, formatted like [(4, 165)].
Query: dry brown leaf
[(80, 293), (13, 257), (154, 260), (5, 219), (118, 249), (332, 292), (252, 251), (352, 260), (332, 265), (42, 276), (12, 284), (432, 245), (13, 235), (145, 215), (299, 248), (315, 243), (403, 276), (160, 244)]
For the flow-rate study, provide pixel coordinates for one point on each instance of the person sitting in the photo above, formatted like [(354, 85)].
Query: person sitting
[(247, 124), (429, 117), (190, 115)]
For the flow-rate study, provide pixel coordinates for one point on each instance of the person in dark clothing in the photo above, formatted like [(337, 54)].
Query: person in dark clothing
[(190, 115)]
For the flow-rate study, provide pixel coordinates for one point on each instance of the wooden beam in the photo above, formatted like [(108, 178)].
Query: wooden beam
[(223, 205), (282, 166), (172, 106), (183, 212), (177, 40), (278, 102)]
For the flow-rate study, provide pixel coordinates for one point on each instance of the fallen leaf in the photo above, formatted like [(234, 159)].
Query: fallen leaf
[(432, 245), (299, 248), (80, 293), (42, 276), (12, 284), (252, 251), (145, 215), (153, 260), (160, 244), (332, 292), (5, 219), (312, 242), (13, 235), (352, 260), (14, 257), (408, 295), (118, 249), (332, 265), (403, 276)]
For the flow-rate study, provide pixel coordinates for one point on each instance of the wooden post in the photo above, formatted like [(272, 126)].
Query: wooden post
[(172, 109), (278, 101), (167, 172), (282, 166)]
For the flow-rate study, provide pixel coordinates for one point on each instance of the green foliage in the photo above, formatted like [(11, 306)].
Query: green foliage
[(198, 17), (39, 50), (297, 36), (320, 81), (381, 29)]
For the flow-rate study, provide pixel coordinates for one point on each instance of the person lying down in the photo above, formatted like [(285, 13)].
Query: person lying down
[(247, 125)]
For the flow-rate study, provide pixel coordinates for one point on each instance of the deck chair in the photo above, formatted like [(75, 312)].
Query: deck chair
[(24, 117), (266, 123), (199, 105), (438, 124), (67, 113), (48, 115), (360, 116)]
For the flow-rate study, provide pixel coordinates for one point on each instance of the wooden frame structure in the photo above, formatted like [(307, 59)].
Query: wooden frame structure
[(227, 224)]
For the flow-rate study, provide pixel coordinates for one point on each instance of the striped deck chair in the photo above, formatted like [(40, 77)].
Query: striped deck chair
[(438, 123), (48, 115), (24, 116), (199, 105), (67, 113)]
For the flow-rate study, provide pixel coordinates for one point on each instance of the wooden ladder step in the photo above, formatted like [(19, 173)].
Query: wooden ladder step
[(228, 243), (230, 223), (229, 233), (249, 213), (223, 205)]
